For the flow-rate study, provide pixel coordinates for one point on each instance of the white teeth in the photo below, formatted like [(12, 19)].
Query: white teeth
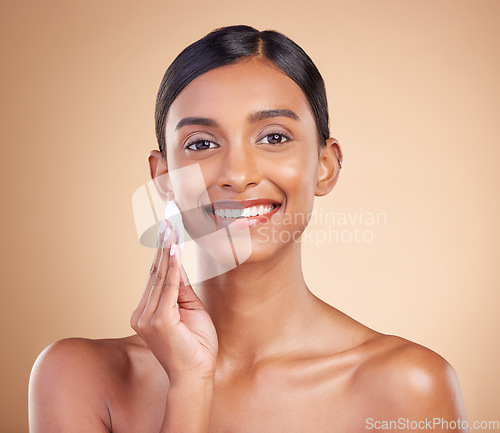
[(250, 211), (247, 212)]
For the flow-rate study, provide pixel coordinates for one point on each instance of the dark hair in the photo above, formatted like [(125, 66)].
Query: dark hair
[(227, 45)]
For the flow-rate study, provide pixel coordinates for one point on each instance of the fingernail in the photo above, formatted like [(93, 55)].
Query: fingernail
[(172, 249), (163, 225), (166, 236)]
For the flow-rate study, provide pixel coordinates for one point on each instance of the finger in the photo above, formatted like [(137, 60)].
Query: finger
[(156, 263), (163, 234), (155, 292), (187, 296), (184, 277), (170, 289)]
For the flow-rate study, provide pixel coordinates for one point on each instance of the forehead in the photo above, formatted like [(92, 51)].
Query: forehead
[(233, 91)]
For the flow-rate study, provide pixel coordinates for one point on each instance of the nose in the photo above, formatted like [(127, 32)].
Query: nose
[(239, 169)]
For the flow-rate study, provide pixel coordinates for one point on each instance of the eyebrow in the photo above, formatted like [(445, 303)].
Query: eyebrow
[(266, 114), (195, 121), (252, 118)]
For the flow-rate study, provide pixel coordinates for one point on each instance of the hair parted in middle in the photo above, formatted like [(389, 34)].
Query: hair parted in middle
[(231, 44)]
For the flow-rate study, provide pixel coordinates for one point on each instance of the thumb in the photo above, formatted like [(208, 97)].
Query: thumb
[(187, 296)]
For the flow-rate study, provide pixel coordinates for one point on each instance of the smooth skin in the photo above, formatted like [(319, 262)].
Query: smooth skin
[(256, 351)]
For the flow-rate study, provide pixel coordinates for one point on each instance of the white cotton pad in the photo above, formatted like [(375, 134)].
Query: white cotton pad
[(173, 214)]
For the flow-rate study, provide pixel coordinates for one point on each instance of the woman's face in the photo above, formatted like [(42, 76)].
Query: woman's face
[(249, 130)]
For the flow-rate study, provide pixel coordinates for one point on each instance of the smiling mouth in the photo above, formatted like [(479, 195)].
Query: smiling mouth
[(231, 209)]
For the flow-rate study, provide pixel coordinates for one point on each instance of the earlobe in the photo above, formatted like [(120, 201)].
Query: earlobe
[(329, 165), (159, 174)]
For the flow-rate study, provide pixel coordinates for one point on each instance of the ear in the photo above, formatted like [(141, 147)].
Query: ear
[(158, 170), (328, 167)]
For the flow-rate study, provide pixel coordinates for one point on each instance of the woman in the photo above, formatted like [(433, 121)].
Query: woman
[(256, 351)]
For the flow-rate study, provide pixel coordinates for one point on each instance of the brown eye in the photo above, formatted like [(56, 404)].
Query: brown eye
[(200, 145), (275, 138)]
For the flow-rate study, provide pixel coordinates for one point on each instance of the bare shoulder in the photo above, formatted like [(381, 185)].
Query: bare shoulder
[(84, 355), (400, 357), (70, 382), (409, 380)]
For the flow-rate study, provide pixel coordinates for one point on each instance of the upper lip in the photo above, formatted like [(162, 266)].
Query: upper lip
[(241, 204)]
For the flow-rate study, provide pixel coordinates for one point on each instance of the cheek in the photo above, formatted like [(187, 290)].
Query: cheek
[(189, 185), (191, 193), (297, 177)]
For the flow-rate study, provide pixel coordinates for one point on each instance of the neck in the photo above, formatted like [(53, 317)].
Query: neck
[(260, 309)]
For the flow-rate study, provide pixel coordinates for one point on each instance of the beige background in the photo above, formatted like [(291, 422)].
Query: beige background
[(415, 101)]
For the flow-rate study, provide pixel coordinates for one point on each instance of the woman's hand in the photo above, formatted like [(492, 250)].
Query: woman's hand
[(172, 320)]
